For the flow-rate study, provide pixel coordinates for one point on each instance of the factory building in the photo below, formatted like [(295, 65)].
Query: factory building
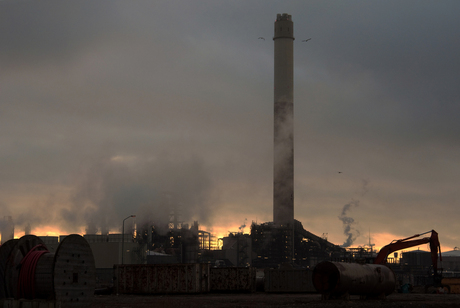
[(151, 245), (274, 245), (451, 261), (413, 268), (237, 249)]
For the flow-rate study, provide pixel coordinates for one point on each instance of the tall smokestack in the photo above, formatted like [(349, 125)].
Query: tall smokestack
[(283, 169)]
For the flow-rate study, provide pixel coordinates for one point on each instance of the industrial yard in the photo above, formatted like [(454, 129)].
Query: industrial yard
[(273, 300), (168, 262)]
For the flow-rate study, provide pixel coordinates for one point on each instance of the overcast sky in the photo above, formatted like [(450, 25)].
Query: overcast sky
[(105, 106)]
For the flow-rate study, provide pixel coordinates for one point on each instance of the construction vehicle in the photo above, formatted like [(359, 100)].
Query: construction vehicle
[(435, 248)]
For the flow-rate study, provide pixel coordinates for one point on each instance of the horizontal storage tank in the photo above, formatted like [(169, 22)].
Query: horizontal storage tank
[(338, 278), (161, 278)]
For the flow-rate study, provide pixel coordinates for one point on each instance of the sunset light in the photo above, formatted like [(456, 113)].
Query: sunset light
[(206, 135)]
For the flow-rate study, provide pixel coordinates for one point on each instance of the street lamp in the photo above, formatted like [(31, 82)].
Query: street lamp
[(123, 238)]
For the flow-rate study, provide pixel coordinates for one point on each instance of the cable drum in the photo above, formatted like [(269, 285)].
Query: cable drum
[(32, 272), (13, 264), (5, 253), (74, 272), (26, 280), (44, 286)]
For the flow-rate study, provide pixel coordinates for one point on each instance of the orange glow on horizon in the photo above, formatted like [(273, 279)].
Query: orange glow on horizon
[(47, 231), (221, 231), (50, 231), (378, 239), (383, 239)]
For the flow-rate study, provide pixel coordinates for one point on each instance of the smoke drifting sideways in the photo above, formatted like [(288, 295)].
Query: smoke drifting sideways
[(150, 189), (241, 228), (348, 224), (116, 187)]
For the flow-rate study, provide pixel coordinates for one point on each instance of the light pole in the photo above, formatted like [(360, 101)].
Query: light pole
[(123, 238)]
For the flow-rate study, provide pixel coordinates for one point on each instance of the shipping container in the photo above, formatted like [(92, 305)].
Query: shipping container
[(288, 281), (161, 278), (452, 284), (233, 279)]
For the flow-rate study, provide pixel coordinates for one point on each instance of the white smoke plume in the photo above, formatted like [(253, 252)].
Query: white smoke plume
[(115, 187), (241, 228), (349, 224)]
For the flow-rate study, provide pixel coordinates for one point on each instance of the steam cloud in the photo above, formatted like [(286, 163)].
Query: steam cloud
[(241, 228), (117, 188), (113, 188), (348, 224)]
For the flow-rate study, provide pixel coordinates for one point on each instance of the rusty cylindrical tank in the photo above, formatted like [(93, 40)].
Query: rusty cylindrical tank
[(334, 279)]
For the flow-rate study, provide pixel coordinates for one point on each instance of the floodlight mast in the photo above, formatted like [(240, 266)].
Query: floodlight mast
[(123, 238)]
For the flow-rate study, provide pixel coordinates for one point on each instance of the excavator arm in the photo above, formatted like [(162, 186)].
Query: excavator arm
[(433, 240)]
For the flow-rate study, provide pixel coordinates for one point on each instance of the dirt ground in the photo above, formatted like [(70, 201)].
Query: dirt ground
[(272, 300)]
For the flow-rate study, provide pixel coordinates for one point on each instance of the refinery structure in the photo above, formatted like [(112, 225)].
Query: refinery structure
[(281, 243)]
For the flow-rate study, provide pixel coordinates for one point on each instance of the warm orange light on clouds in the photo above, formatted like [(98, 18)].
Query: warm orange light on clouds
[(223, 229), (382, 239), (50, 231), (47, 231)]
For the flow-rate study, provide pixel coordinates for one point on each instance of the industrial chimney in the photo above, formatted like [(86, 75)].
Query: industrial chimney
[(283, 172)]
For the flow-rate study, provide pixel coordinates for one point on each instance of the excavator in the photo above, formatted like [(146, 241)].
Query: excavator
[(435, 247)]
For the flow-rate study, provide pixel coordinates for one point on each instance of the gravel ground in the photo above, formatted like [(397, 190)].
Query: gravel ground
[(272, 300)]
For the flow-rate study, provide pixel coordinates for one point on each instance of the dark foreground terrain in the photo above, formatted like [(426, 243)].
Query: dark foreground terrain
[(272, 300)]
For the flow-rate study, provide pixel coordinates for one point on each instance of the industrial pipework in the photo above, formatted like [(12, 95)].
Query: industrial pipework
[(338, 280), (29, 271)]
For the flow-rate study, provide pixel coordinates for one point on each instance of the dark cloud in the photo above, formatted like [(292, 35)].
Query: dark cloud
[(52, 31), (375, 97)]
